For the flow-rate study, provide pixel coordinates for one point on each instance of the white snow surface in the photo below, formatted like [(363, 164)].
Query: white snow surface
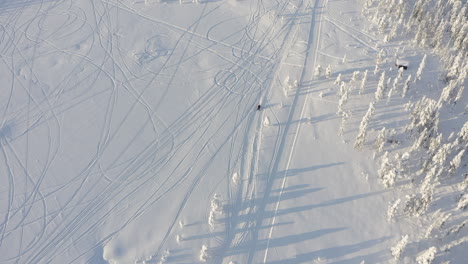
[(130, 134)]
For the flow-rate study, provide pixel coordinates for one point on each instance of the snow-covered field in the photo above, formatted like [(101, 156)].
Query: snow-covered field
[(130, 133)]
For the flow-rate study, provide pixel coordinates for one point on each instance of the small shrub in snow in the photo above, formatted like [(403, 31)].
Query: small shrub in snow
[(427, 257), (398, 249)]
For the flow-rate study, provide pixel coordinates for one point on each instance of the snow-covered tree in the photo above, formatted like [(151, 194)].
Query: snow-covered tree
[(406, 86), (235, 178), (343, 89), (343, 100), (392, 89), (361, 137), (427, 256), (328, 71), (439, 220), (463, 202), (392, 209), (387, 172), (424, 115), (422, 65), (344, 118), (379, 93), (380, 140), (204, 255), (363, 83), (376, 69), (338, 79), (318, 70), (355, 76), (456, 162), (398, 249)]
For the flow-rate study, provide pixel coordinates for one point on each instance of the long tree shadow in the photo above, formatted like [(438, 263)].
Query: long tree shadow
[(281, 241), (272, 199), (294, 172), (269, 214), (240, 230), (332, 253)]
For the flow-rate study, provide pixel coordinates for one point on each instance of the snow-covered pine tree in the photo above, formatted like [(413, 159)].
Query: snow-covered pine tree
[(380, 140), (338, 79), (342, 101), (427, 256), (363, 82), (318, 70), (387, 171), (361, 137), (344, 117), (343, 89), (379, 93), (456, 162), (424, 115), (355, 76), (204, 255), (422, 65), (392, 209), (398, 249), (328, 71), (406, 86), (440, 218)]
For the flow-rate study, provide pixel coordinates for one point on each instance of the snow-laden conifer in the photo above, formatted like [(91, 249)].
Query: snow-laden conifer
[(338, 79), (392, 209), (328, 71), (406, 86), (379, 93), (422, 65), (398, 249), (363, 82), (361, 137), (427, 256)]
